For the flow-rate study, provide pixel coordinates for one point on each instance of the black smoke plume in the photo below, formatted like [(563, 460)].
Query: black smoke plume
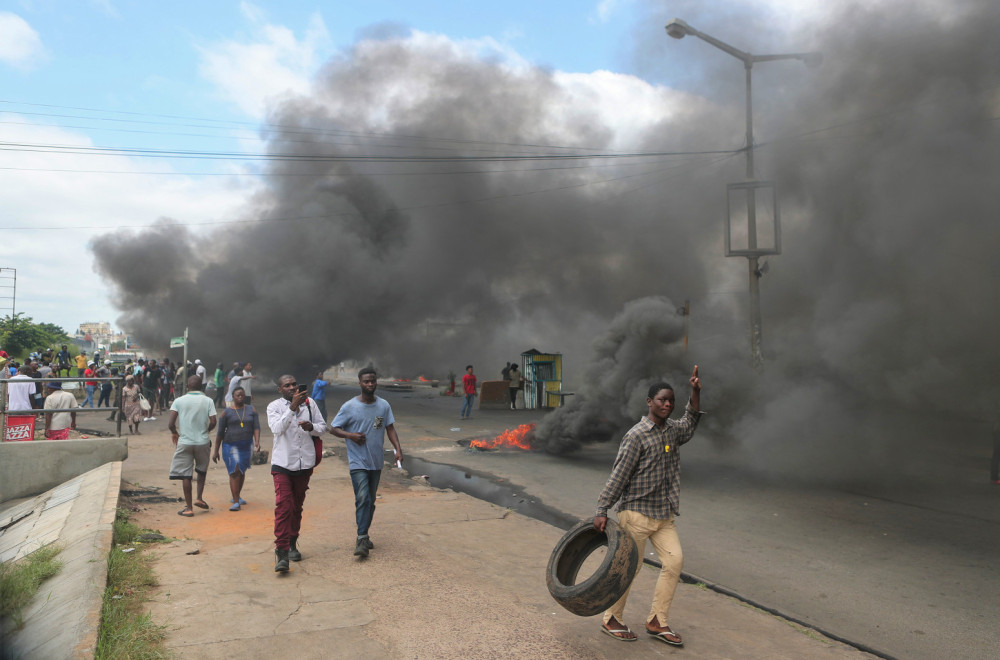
[(885, 297)]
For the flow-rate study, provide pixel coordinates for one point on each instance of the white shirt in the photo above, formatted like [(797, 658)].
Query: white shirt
[(293, 446), (202, 373), (19, 394), (246, 382), (237, 381)]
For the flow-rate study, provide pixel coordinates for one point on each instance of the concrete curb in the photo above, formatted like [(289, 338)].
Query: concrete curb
[(63, 619), (20, 475)]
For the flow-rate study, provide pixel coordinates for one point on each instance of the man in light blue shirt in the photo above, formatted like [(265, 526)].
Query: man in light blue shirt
[(363, 422), (194, 413), (319, 393)]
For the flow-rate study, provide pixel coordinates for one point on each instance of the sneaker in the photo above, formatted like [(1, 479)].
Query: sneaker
[(361, 548), (368, 542)]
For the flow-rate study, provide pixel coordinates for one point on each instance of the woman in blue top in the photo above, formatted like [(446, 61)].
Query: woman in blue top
[(239, 427)]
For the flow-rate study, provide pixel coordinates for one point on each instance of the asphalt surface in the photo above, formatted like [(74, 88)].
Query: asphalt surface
[(904, 569), (451, 576)]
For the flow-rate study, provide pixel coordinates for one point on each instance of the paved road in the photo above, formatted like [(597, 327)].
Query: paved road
[(909, 570)]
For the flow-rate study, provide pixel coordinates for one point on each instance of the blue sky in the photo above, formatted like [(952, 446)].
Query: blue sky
[(104, 72)]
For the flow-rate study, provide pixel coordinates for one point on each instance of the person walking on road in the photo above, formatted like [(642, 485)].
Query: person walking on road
[(130, 403), (201, 371), (237, 437), (220, 386), (246, 381), (363, 422), (293, 419), (645, 481), (91, 385), (319, 392), (152, 376), (192, 418), (469, 386), (514, 384), (105, 372)]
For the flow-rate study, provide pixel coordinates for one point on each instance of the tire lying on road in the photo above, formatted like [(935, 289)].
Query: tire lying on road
[(608, 583)]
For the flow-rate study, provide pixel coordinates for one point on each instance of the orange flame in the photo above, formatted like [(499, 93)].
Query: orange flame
[(510, 438)]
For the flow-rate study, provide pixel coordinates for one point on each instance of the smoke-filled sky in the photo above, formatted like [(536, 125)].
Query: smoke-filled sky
[(884, 297)]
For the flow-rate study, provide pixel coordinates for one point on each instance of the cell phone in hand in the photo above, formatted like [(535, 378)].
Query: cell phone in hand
[(302, 388)]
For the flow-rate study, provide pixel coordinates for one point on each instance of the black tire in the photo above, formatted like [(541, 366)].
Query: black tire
[(608, 583)]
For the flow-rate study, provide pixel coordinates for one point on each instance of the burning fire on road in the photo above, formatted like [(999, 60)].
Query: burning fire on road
[(519, 438)]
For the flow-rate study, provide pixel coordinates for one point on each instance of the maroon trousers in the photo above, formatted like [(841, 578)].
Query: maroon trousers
[(289, 496)]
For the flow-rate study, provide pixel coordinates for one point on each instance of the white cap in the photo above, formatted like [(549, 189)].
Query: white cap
[(197, 361), (107, 362)]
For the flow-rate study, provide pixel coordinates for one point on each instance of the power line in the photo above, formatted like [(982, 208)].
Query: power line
[(283, 128), (28, 147), (345, 175), (418, 207)]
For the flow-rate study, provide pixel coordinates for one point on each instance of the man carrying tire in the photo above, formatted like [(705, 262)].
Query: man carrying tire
[(645, 481)]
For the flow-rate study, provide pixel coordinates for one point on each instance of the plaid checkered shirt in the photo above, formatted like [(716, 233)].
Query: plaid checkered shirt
[(646, 476)]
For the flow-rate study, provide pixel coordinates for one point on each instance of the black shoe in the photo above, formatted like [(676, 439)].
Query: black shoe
[(361, 549), (281, 563), (368, 542), (293, 552)]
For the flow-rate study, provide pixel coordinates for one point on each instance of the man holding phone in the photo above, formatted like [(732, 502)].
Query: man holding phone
[(363, 422), (294, 419)]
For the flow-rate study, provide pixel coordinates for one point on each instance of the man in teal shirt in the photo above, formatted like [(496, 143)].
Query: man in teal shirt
[(194, 415)]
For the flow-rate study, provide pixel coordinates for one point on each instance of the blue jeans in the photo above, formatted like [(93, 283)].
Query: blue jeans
[(467, 406), (365, 484), (90, 396)]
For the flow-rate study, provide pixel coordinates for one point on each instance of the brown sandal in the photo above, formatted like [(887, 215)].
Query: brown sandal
[(621, 634)]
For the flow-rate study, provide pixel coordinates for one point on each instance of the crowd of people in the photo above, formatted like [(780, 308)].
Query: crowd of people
[(149, 389), (643, 482), (298, 422)]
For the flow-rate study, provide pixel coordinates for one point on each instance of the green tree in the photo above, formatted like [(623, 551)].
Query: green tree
[(19, 335)]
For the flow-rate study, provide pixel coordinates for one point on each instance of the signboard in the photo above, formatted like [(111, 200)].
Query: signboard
[(177, 342), (19, 428)]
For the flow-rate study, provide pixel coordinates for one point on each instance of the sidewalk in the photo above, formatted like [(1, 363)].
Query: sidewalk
[(450, 577)]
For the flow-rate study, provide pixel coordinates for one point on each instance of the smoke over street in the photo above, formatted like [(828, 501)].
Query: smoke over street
[(885, 294)]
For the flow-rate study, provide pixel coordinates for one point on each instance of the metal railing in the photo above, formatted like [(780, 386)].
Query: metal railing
[(118, 383)]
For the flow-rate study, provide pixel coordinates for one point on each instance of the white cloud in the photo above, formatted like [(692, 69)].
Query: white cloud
[(50, 217), (20, 45), (272, 64), (626, 104)]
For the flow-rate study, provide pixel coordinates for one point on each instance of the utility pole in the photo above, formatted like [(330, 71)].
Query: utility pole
[(8, 280), (679, 29)]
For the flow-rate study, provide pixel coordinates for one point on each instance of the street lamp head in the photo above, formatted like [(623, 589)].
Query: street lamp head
[(677, 28)]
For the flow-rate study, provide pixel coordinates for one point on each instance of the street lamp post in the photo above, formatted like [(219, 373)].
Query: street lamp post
[(679, 29)]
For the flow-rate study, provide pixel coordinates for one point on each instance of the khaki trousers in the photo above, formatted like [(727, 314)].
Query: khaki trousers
[(663, 535)]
